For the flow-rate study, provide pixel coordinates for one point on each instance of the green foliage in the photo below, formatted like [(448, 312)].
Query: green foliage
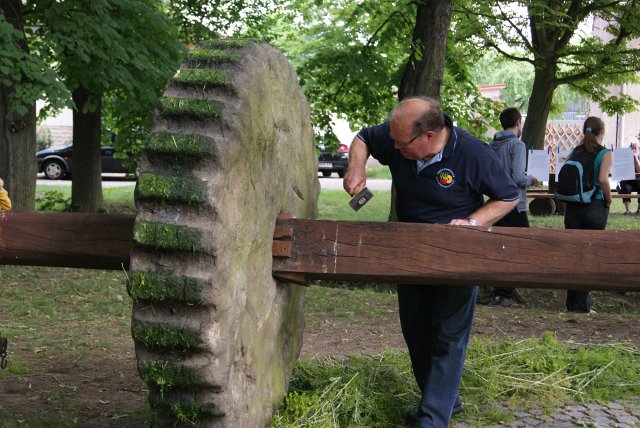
[(199, 20), (43, 138), (53, 200), (29, 75), (551, 40), (352, 60)]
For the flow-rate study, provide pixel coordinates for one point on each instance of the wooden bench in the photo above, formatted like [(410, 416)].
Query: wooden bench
[(543, 203)]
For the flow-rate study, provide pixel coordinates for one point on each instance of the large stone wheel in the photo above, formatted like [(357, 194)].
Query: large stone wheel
[(231, 148)]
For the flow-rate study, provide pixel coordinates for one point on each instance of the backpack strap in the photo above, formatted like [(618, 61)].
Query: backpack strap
[(596, 172)]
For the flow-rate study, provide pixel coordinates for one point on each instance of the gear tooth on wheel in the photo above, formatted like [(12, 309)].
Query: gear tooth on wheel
[(171, 190), (173, 107), (166, 375), (202, 78), (165, 287), (183, 146), (166, 337), (169, 237), (199, 57)]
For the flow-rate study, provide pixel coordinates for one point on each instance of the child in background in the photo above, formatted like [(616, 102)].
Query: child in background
[(5, 202)]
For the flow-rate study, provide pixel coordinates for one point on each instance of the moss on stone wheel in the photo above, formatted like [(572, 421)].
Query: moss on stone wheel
[(231, 148)]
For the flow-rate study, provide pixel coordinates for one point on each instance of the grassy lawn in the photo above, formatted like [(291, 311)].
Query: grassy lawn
[(58, 317)]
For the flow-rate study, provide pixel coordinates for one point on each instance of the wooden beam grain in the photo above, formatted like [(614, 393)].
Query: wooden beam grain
[(80, 240), (455, 255)]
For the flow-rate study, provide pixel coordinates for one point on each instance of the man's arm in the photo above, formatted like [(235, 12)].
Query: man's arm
[(488, 214), (356, 178)]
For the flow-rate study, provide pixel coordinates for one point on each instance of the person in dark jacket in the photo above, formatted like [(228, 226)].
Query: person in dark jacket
[(513, 157), (440, 173), (592, 216)]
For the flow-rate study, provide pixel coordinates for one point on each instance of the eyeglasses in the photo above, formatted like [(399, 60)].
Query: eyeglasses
[(400, 145)]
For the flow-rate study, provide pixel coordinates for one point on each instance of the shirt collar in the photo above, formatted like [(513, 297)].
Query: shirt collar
[(446, 151)]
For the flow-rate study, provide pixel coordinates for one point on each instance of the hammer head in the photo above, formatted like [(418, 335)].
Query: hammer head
[(359, 200)]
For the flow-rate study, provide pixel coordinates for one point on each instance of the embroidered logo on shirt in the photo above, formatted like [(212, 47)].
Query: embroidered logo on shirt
[(446, 178)]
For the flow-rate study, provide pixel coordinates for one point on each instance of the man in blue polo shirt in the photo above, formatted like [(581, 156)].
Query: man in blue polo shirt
[(440, 173)]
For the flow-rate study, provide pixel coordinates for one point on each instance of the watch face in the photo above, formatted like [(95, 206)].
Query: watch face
[(472, 222)]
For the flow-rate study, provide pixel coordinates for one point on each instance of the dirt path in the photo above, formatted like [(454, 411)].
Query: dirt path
[(101, 388)]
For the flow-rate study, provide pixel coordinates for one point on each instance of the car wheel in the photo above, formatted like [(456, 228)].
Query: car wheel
[(326, 173), (53, 170), (341, 173)]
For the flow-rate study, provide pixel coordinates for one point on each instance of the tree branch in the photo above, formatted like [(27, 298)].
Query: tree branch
[(508, 55), (521, 35)]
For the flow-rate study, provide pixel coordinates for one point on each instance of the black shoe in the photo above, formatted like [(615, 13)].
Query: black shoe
[(412, 416)]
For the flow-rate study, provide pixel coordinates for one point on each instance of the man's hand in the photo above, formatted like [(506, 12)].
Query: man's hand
[(354, 180), (1, 184), (356, 177)]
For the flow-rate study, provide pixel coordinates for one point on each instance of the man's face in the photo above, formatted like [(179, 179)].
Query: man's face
[(412, 146)]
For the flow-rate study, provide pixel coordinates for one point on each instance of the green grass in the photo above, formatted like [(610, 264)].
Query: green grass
[(378, 172), (121, 196), (532, 373)]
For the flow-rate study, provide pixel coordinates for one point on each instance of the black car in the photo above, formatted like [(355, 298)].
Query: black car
[(56, 163), (329, 162)]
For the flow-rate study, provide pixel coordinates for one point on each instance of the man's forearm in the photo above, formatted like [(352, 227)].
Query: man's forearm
[(356, 178), (493, 211), (358, 153)]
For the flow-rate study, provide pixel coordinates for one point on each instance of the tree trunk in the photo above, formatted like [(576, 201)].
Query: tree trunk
[(86, 177), (544, 84), (424, 71), (17, 134)]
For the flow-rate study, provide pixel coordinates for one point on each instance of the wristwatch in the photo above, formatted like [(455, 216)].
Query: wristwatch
[(472, 221)]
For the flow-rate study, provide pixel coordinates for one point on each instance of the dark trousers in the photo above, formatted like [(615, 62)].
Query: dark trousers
[(629, 186), (513, 219), (591, 217), (436, 322)]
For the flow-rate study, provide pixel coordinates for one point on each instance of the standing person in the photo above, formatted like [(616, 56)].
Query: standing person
[(513, 158), (5, 202), (629, 186), (440, 173), (595, 214)]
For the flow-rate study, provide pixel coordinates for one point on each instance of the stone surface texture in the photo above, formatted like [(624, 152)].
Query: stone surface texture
[(250, 326)]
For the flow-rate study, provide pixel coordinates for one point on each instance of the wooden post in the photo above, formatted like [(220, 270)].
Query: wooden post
[(80, 240), (455, 255)]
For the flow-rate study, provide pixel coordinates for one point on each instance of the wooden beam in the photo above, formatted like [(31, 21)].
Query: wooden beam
[(455, 255), (80, 240)]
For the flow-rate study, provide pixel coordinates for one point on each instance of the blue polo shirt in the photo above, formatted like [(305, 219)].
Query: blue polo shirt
[(451, 186)]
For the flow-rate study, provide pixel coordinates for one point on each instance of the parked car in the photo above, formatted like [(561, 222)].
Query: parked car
[(56, 163), (329, 162)]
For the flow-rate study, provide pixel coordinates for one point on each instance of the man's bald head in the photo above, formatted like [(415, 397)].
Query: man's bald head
[(418, 114)]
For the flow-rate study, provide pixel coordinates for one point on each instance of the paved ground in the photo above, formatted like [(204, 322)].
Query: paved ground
[(618, 414)]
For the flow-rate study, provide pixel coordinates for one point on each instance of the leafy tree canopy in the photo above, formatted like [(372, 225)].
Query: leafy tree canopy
[(554, 37), (28, 74), (350, 57)]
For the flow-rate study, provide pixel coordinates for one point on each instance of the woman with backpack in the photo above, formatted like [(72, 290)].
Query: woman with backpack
[(597, 161)]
